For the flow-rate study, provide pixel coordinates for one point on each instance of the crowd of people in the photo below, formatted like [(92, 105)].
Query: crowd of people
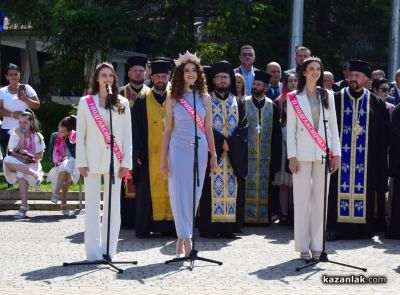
[(263, 141)]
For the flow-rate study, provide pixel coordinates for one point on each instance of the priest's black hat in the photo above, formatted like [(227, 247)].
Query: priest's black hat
[(262, 76), (160, 67), (137, 60), (360, 66), (221, 67), (207, 71)]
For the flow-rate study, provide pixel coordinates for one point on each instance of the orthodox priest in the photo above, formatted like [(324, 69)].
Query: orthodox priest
[(363, 124), (393, 231), (222, 201), (153, 211), (136, 66), (265, 150)]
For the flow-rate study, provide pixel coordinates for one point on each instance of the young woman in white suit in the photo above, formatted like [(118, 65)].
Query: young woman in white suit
[(93, 158), (305, 155)]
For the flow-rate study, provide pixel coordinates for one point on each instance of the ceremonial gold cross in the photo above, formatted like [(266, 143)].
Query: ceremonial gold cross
[(358, 129)]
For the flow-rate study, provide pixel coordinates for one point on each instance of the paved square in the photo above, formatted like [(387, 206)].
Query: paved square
[(262, 261)]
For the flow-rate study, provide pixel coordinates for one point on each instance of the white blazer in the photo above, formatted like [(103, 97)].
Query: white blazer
[(300, 144), (91, 149)]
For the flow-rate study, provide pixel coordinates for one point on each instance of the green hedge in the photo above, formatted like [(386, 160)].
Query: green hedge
[(50, 115)]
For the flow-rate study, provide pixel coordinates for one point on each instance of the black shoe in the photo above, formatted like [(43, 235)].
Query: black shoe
[(283, 220), (330, 236)]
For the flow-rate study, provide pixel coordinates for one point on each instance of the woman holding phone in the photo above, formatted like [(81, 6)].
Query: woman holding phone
[(15, 98), (25, 151)]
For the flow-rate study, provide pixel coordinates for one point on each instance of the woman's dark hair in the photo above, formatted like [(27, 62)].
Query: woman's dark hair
[(378, 82), (283, 113), (69, 123), (11, 66), (114, 87), (178, 83), (30, 115), (302, 79)]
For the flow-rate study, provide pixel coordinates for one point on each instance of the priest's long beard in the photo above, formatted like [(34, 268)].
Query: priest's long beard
[(222, 89), (256, 93), (137, 82), (354, 86), (160, 87)]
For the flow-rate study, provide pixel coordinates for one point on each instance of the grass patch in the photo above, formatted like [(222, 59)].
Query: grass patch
[(44, 186)]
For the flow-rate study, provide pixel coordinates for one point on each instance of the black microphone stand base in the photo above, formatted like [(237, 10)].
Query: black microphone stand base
[(324, 258), (192, 257), (105, 261)]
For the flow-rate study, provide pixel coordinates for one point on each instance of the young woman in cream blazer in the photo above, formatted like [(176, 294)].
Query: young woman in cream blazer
[(305, 157), (93, 160)]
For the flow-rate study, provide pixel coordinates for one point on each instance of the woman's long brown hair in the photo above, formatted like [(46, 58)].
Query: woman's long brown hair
[(178, 83), (114, 87), (320, 82)]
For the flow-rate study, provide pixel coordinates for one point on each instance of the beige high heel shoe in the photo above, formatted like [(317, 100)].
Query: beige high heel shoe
[(179, 248), (188, 247)]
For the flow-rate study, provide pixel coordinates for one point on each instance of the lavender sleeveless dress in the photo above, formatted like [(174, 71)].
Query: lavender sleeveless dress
[(181, 154)]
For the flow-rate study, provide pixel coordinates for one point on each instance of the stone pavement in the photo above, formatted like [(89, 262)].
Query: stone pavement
[(262, 261)]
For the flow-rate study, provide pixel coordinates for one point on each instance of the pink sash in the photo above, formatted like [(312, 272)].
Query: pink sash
[(188, 107), (102, 127), (307, 124)]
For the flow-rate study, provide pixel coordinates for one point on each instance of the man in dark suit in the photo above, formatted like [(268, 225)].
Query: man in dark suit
[(301, 54), (275, 84), (395, 91), (246, 69), (342, 83)]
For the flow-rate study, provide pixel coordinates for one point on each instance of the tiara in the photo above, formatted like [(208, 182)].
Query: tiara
[(183, 58)]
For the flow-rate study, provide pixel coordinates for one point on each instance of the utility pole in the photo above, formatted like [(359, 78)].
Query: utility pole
[(393, 63), (296, 30)]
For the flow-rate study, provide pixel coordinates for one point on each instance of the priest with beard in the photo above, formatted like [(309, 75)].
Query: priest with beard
[(363, 124), (136, 66), (153, 211), (222, 201), (264, 151)]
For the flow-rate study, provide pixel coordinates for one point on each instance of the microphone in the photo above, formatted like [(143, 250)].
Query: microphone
[(109, 89), (193, 86), (322, 92)]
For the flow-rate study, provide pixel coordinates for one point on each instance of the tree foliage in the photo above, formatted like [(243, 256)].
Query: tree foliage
[(83, 32)]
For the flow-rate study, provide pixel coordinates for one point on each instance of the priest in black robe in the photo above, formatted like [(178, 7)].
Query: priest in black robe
[(136, 66), (393, 231), (222, 201), (153, 211), (363, 124)]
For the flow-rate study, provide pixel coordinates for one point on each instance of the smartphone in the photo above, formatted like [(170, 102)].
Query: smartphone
[(21, 90)]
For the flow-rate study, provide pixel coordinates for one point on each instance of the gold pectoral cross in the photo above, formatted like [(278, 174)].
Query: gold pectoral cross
[(358, 129)]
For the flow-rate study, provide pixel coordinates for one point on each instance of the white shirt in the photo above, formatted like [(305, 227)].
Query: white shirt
[(39, 142), (12, 103)]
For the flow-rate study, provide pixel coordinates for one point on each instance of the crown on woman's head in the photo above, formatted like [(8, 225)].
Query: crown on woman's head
[(183, 58)]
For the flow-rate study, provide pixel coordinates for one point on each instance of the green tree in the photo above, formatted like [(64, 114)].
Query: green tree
[(81, 33)]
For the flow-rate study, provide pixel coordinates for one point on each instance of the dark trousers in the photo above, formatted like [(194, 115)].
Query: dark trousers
[(4, 138)]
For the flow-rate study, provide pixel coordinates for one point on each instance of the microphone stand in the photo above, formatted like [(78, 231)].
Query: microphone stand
[(106, 257), (196, 182), (324, 256)]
